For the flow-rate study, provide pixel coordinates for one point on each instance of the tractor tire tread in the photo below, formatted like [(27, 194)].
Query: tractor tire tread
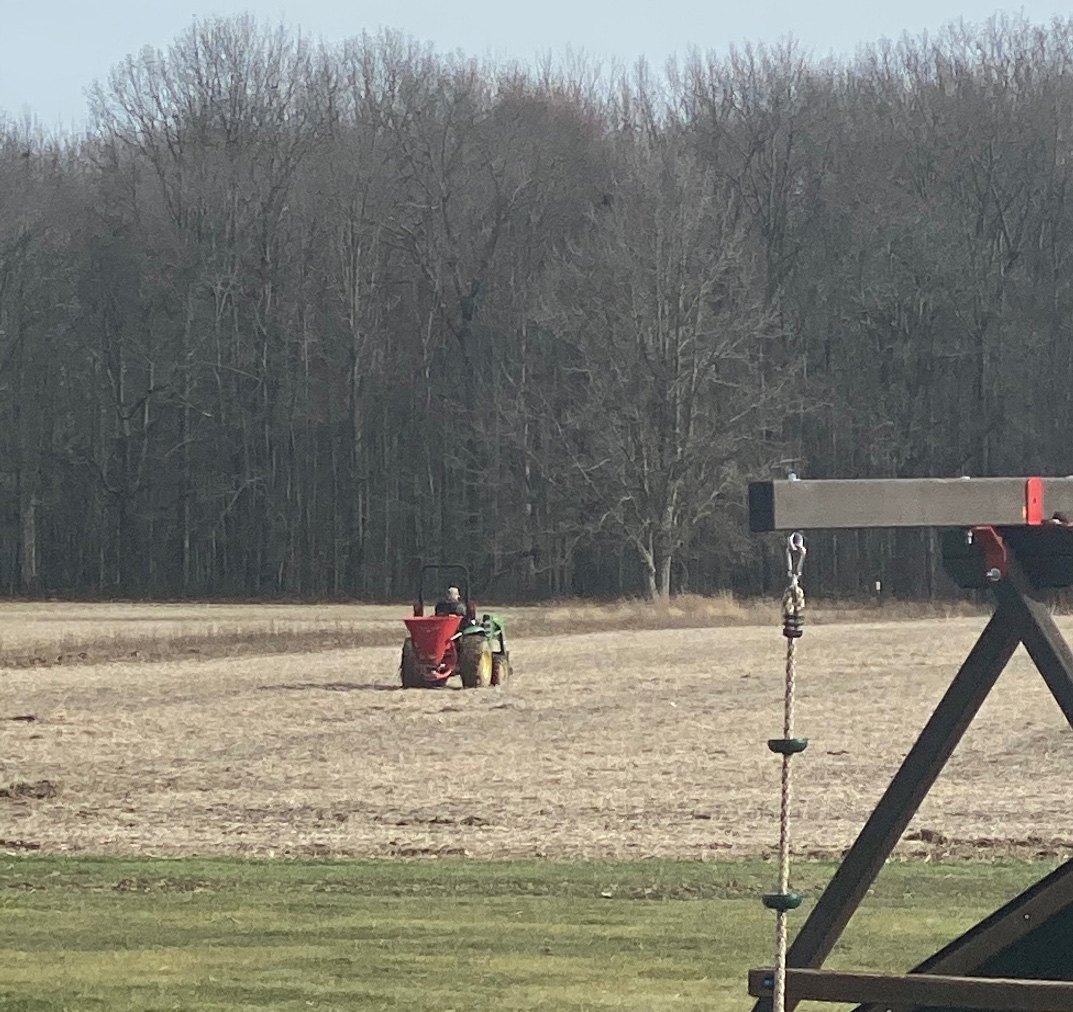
[(475, 661), (410, 668), (501, 669)]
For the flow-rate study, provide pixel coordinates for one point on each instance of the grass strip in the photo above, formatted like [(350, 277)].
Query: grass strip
[(208, 934)]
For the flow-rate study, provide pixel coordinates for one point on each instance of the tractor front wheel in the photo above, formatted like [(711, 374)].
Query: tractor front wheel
[(410, 668), (475, 661)]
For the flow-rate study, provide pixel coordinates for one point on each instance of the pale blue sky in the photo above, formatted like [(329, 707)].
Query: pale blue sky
[(51, 50)]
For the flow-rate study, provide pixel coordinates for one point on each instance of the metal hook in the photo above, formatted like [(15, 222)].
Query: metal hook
[(795, 554)]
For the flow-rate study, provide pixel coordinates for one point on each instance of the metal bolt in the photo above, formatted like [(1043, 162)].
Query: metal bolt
[(994, 575)]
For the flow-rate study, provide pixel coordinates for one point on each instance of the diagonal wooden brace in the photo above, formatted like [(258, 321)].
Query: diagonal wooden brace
[(998, 943)]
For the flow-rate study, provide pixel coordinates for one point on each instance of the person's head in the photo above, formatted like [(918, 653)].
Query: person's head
[(453, 595)]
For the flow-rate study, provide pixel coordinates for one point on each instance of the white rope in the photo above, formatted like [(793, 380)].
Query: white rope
[(793, 607)]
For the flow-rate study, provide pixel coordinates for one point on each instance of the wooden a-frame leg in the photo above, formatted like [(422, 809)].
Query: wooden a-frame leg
[(906, 791), (1045, 644), (1052, 656)]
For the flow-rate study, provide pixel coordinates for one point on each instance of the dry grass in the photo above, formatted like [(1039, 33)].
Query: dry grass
[(36, 633), (40, 634), (612, 744)]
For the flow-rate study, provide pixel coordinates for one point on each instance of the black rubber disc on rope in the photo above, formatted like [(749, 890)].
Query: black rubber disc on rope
[(787, 746), (781, 901)]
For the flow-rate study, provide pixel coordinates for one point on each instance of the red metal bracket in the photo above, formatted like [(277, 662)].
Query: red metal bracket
[(1034, 501), (996, 554)]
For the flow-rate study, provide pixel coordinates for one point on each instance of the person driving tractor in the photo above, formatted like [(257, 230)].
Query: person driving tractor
[(452, 604), (452, 641)]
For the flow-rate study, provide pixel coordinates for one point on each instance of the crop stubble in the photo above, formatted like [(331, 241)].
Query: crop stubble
[(611, 744)]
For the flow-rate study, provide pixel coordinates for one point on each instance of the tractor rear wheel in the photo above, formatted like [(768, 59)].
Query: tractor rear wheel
[(501, 669), (475, 661), (410, 667)]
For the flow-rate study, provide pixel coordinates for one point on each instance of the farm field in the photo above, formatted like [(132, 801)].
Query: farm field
[(601, 827), (617, 744)]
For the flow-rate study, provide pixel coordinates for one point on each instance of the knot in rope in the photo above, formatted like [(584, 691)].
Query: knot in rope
[(793, 601)]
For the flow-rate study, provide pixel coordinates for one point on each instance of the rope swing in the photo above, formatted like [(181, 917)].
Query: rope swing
[(793, 621)]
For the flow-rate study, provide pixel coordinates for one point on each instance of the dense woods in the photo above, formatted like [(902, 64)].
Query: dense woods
[(291, 315)]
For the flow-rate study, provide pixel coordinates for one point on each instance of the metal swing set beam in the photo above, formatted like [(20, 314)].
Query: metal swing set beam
[(1013, 536)]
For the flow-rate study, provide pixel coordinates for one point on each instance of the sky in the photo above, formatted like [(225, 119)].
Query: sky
[(51, 51)]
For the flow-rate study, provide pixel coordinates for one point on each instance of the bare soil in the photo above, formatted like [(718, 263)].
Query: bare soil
[(628, 743)]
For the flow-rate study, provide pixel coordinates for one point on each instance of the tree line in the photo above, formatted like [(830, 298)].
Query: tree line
[(290, 316)]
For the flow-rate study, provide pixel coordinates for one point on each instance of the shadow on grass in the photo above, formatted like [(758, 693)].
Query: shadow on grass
[(331, 687)]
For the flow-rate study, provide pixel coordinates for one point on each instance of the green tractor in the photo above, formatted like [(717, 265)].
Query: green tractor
[(452, 641)]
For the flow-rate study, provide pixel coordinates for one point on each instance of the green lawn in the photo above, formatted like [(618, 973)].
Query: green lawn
[(148, 934)]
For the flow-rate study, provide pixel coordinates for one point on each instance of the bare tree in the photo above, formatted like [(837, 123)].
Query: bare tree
[(662, 303)]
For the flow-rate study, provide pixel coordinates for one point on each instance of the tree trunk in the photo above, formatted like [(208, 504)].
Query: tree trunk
[(29, 576), (666, 559), (186, 490), (648, 560)]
